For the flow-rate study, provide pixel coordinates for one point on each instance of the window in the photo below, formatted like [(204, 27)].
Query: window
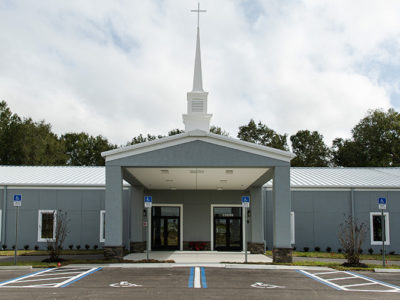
[(292, 227), (376, 228), (47, 225), (102, 226)]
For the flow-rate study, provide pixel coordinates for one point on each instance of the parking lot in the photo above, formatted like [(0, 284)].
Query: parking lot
[(193, 282)]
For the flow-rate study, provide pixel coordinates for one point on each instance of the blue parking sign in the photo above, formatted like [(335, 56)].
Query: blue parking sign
[(17, 200), (148, 200), (245, 201), (382, 201)]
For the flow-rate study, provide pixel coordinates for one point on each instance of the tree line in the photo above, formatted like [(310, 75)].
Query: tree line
[(375, 142)]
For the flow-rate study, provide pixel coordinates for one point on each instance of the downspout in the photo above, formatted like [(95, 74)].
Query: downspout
[(3, 219), (353, 221)]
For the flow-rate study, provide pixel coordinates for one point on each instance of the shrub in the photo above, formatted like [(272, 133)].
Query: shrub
[(87, 247), (4, 247), (351, 236), (317, 249), (50, 248), (26, 247), (294, 248), (306, 249), (36, 247), (339, 250), (95, 247), (13, 247), (360, 251), (392, 253), (328, 249), (370, 251), (78, 247), (71, 247)]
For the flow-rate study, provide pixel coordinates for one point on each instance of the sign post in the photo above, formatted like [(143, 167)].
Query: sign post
[(382, 206), (245, 206), (17, 204), (148, 201)]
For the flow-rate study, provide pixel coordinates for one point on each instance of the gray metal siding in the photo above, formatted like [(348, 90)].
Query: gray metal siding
[(81, 205), (318, 215)]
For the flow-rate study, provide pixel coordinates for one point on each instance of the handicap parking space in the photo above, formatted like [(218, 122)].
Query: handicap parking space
[(48, 278)]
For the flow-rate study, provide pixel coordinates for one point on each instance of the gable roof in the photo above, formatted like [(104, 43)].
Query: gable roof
[(197, 135)]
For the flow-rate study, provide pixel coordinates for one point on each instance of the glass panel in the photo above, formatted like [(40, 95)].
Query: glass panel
[(227, 211), (377, 225), (173, 232), (47, 225), (165, 211), (158, 232), (220, 232), (235, 229)]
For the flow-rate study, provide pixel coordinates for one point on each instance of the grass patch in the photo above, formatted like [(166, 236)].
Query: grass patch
[(333, 255), (45, 252)]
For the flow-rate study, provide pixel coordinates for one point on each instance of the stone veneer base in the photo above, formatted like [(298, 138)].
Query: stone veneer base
[(113, 251), (282, 255)]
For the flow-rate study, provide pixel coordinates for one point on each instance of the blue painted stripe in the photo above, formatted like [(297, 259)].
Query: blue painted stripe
[(191, 277), (316, 279), (203, 278), (41, 271), (79, 278), (377, 281)]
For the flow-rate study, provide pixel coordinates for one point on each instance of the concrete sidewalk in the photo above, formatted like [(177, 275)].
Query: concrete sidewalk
[(203, 257)]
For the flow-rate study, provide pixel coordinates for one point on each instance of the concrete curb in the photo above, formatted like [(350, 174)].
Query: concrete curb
[(208, 265), (15, 267), (387, 270)]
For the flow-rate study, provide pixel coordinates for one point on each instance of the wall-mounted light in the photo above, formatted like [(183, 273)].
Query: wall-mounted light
[(144, 213)]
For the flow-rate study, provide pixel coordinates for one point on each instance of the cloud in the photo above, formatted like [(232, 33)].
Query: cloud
[(123, 68)]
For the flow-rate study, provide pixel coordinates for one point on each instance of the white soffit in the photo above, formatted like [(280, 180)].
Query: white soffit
[(197, 178)]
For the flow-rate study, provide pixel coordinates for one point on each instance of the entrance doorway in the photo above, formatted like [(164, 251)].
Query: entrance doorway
[(165, 228), (228, 228)]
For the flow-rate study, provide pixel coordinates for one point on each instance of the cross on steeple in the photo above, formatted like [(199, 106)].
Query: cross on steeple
[(198, 10)]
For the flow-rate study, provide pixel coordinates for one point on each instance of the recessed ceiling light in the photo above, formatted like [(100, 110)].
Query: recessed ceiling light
[(196, 171), (164, 171), (223, 181), (173, 188), (230, 172), (219, 188), (168, 180)]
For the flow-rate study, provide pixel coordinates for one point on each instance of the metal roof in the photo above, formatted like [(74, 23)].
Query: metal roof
[(300, 177), (345, 177)]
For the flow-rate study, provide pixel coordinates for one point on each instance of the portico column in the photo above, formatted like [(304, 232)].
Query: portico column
[(282, 249), (113, 246)]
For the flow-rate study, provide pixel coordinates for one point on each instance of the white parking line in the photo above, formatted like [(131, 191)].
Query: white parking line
[(49, 275), (197, 284), (363, 281)]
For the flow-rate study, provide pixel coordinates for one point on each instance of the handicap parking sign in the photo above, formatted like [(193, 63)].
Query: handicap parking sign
[(382, 203), (148, 200), (17, 200), (245, 201)]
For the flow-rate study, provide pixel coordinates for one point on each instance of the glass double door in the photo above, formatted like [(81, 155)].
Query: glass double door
[(165, 228), (228, 228)]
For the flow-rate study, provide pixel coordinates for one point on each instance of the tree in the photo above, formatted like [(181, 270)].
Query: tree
[(141, 139), (25, 142), (175, 131), (310, 149), (60, 233), (375, 142), (351, 236), (218, 130), (262, 135), (83, 149)]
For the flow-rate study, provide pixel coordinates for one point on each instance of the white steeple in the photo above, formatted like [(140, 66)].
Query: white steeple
[(196, 116)]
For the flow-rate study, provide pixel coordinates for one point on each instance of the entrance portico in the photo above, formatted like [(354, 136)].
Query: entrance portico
[(198, 172)]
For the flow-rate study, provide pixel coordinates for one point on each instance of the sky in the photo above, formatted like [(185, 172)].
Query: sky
[(121, 68)]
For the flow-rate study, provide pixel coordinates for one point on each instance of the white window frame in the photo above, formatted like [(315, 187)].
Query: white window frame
[(387, 229), (102, 219), (292, 228), (1, 223), (41, 212)]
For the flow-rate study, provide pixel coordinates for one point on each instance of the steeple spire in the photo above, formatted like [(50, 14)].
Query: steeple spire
[(197, 78), (197, 116)]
